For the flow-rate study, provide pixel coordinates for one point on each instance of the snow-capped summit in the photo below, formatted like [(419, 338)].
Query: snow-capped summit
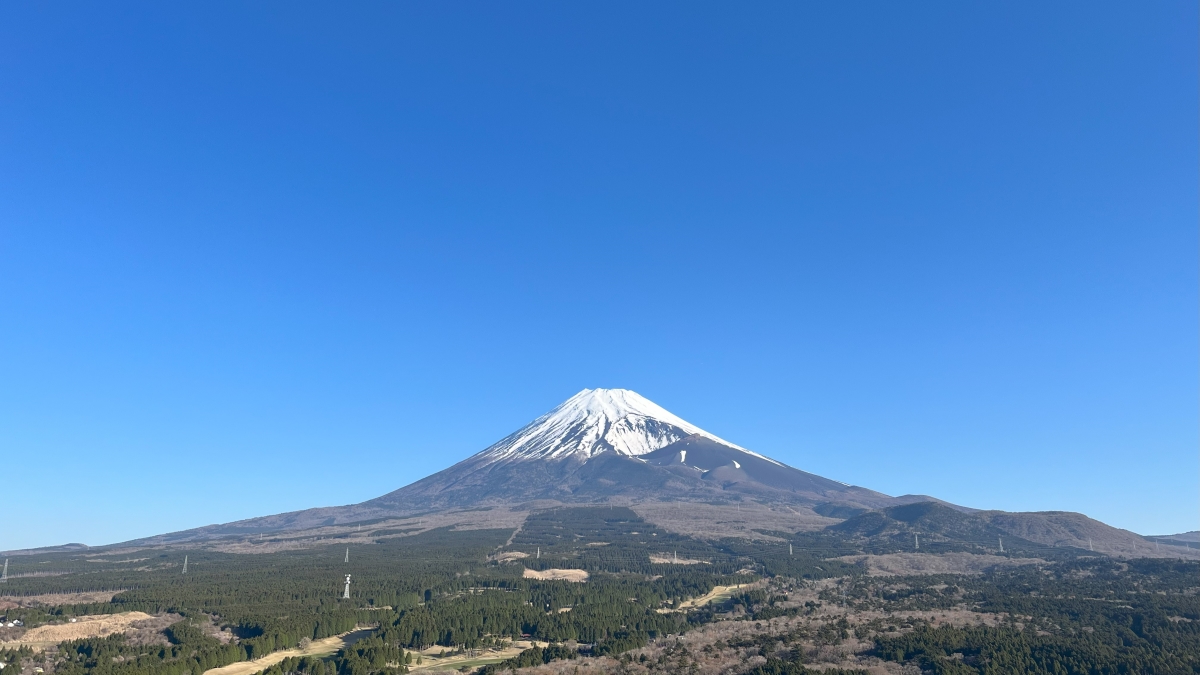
[(595, 421), (605, 444)]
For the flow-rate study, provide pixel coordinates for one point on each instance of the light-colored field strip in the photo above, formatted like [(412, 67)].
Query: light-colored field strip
[(577, 576), (717, 593), (431, 662)]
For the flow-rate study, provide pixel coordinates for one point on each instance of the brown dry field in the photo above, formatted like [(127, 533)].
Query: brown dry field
[(496, 518), (711, 521), (893, 564), (52, 599), (101, 625), (578, 576)]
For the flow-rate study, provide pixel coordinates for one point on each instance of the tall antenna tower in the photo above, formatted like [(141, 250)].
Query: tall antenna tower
[(346, 593), (4, 574), (185, 564), (347, 554)]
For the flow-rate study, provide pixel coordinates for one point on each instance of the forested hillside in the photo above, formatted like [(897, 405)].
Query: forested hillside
[(782, 603)]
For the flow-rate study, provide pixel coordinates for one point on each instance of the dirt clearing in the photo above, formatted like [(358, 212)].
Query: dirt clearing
[(101, 625), (578, 576)]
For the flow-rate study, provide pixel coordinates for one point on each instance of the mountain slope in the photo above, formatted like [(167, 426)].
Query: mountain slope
[(939, 524), (613, 444)]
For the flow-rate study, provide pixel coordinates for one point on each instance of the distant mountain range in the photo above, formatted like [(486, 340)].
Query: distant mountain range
[(613, 446)]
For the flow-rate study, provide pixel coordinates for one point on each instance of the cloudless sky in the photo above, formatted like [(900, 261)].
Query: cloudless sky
[(259, 257)]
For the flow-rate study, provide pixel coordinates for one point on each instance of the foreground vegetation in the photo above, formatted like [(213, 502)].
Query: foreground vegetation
[(793, 612)]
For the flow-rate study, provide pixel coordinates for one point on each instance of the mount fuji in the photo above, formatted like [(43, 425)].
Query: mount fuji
[(613, 446), (605, 445), (610, 446)]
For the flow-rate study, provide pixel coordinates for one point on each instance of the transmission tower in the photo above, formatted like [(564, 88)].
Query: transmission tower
[(4, 574), (346, 593), (185, 564), (916, 541), (1001, 543), (347, 554)]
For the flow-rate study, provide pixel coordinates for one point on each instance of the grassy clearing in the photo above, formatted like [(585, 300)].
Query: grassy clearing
[(717, 594), (456, 661)]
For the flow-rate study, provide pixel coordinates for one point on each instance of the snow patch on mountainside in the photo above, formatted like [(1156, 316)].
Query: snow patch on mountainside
[(595, 421)]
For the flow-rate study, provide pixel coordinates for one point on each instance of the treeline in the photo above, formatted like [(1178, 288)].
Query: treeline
[(379, 653), (601, 613), (11, 655), (191, 652)]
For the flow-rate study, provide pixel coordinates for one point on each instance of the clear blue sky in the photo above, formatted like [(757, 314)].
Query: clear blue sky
[(258, 257)]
